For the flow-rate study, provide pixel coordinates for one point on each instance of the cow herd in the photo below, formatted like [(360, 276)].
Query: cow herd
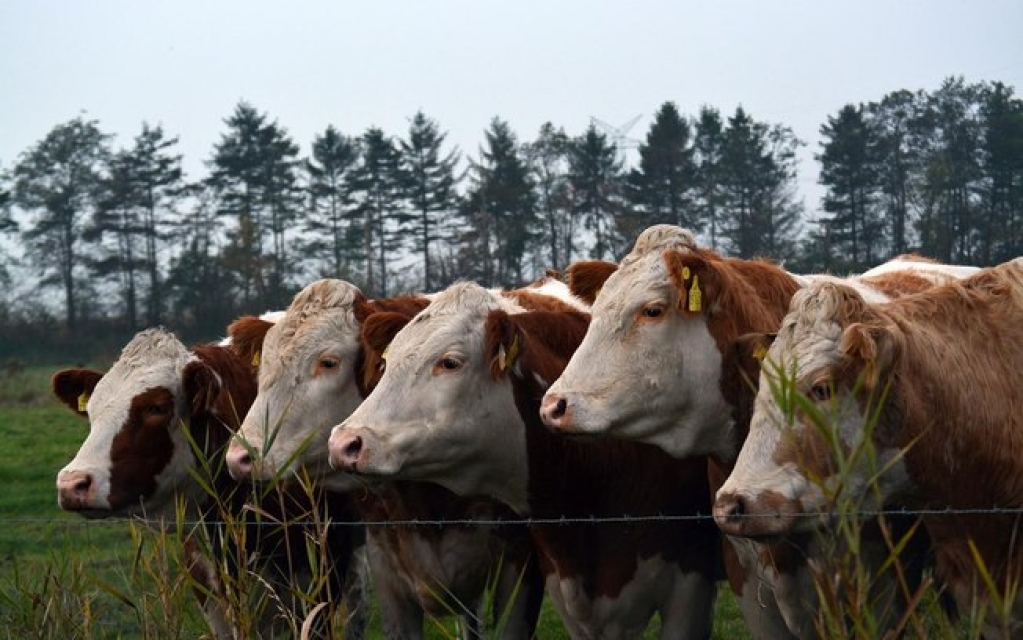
[(572, 439)]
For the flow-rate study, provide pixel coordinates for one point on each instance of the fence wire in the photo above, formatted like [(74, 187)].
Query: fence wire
[(525, 521)]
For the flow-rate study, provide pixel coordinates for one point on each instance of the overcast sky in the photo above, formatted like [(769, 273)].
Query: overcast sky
[(186, 64)]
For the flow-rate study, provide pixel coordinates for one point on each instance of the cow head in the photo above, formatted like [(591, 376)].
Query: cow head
[(137, 456), (437, 413), (824, 423), (650, 364), (308, 379)]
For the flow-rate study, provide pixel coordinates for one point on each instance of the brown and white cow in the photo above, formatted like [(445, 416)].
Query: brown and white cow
[(314, 372), (658, 365), (458, 404), (929, 385), (164, 413)]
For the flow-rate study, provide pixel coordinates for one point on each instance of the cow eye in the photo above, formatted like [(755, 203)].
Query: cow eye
[(330, 362), (449, 363), (820, 392), (157, 410), (652, 311)]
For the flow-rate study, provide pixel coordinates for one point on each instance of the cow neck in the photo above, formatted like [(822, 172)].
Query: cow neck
[(212, 427), (754, 298)]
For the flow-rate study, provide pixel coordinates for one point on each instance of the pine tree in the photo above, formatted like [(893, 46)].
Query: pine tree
[(429, 181), (141, 188), (1001, 193), (661, 188), (378, 182), (708, 153), (332, 218), (595, 173), (547, 158), (761, 216), (254, 174), (58, 180), (501, 209), (849, 172)]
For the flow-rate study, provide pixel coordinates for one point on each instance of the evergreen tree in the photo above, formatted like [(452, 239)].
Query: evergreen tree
[(660, 189), (761, 216), (708, 153), (332, 218), (429, 183), (849, 172), (1001, 193), (500, 207), (141, 188), (8, 225), (894, 121), (547, 158), (595, 173), (254, 174), (57, 181), (378, 183)]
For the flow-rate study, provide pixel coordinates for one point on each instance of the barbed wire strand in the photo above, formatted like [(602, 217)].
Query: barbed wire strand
[(529, 521)]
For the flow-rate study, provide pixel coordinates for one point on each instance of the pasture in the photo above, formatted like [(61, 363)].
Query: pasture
[(64, 576)]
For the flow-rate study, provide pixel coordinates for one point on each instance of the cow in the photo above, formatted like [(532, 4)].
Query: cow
[(457, 404), (160, 418), (929, 383), (659, 365), (314, 372)]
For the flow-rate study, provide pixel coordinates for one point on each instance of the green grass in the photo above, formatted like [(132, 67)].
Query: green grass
[(64, 576)]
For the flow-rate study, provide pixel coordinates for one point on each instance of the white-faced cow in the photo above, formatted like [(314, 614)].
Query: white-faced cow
[(313, 373), (458, 404), (163, 413), (930, 382), (659, 365)]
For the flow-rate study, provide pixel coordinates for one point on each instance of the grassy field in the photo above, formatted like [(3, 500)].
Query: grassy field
[(63, 576)]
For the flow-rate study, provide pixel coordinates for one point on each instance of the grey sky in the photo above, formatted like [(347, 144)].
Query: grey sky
[(186, 64)]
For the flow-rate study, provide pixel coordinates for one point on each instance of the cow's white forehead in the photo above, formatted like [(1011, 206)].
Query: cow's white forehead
[(633, 280), (457, 309), (659, 238), (811, 330), (324, 307), (153, 358)]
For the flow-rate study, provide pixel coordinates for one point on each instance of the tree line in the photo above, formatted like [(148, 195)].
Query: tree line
[(120, 238)]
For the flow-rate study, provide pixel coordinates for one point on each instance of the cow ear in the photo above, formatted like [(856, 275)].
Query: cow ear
[(870, 349), (694, 277), (202, 385), (586, 278), (378, 331), (247, 334), (502, 343), (74, 386)]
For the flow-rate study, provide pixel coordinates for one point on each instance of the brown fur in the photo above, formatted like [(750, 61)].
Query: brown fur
[(739, 296), (537, 301), (247, 334), (68, 385), (587, 277), (600, 478), (955, 401)]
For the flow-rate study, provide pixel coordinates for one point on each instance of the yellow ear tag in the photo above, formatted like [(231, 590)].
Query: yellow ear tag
[(83, 401), (695, 296), (255, 359), (685, 273), (383, 356), (760, 352), (507, 359)]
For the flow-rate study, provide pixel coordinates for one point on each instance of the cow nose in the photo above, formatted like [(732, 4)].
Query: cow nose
[(554, 412), (74, 490), (239, 462), (730, 512), (344, 451)]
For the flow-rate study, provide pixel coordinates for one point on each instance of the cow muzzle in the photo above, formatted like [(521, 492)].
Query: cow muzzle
[(555, 413), (359, 450), (766, 514), (242, 465), (77, 491)]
